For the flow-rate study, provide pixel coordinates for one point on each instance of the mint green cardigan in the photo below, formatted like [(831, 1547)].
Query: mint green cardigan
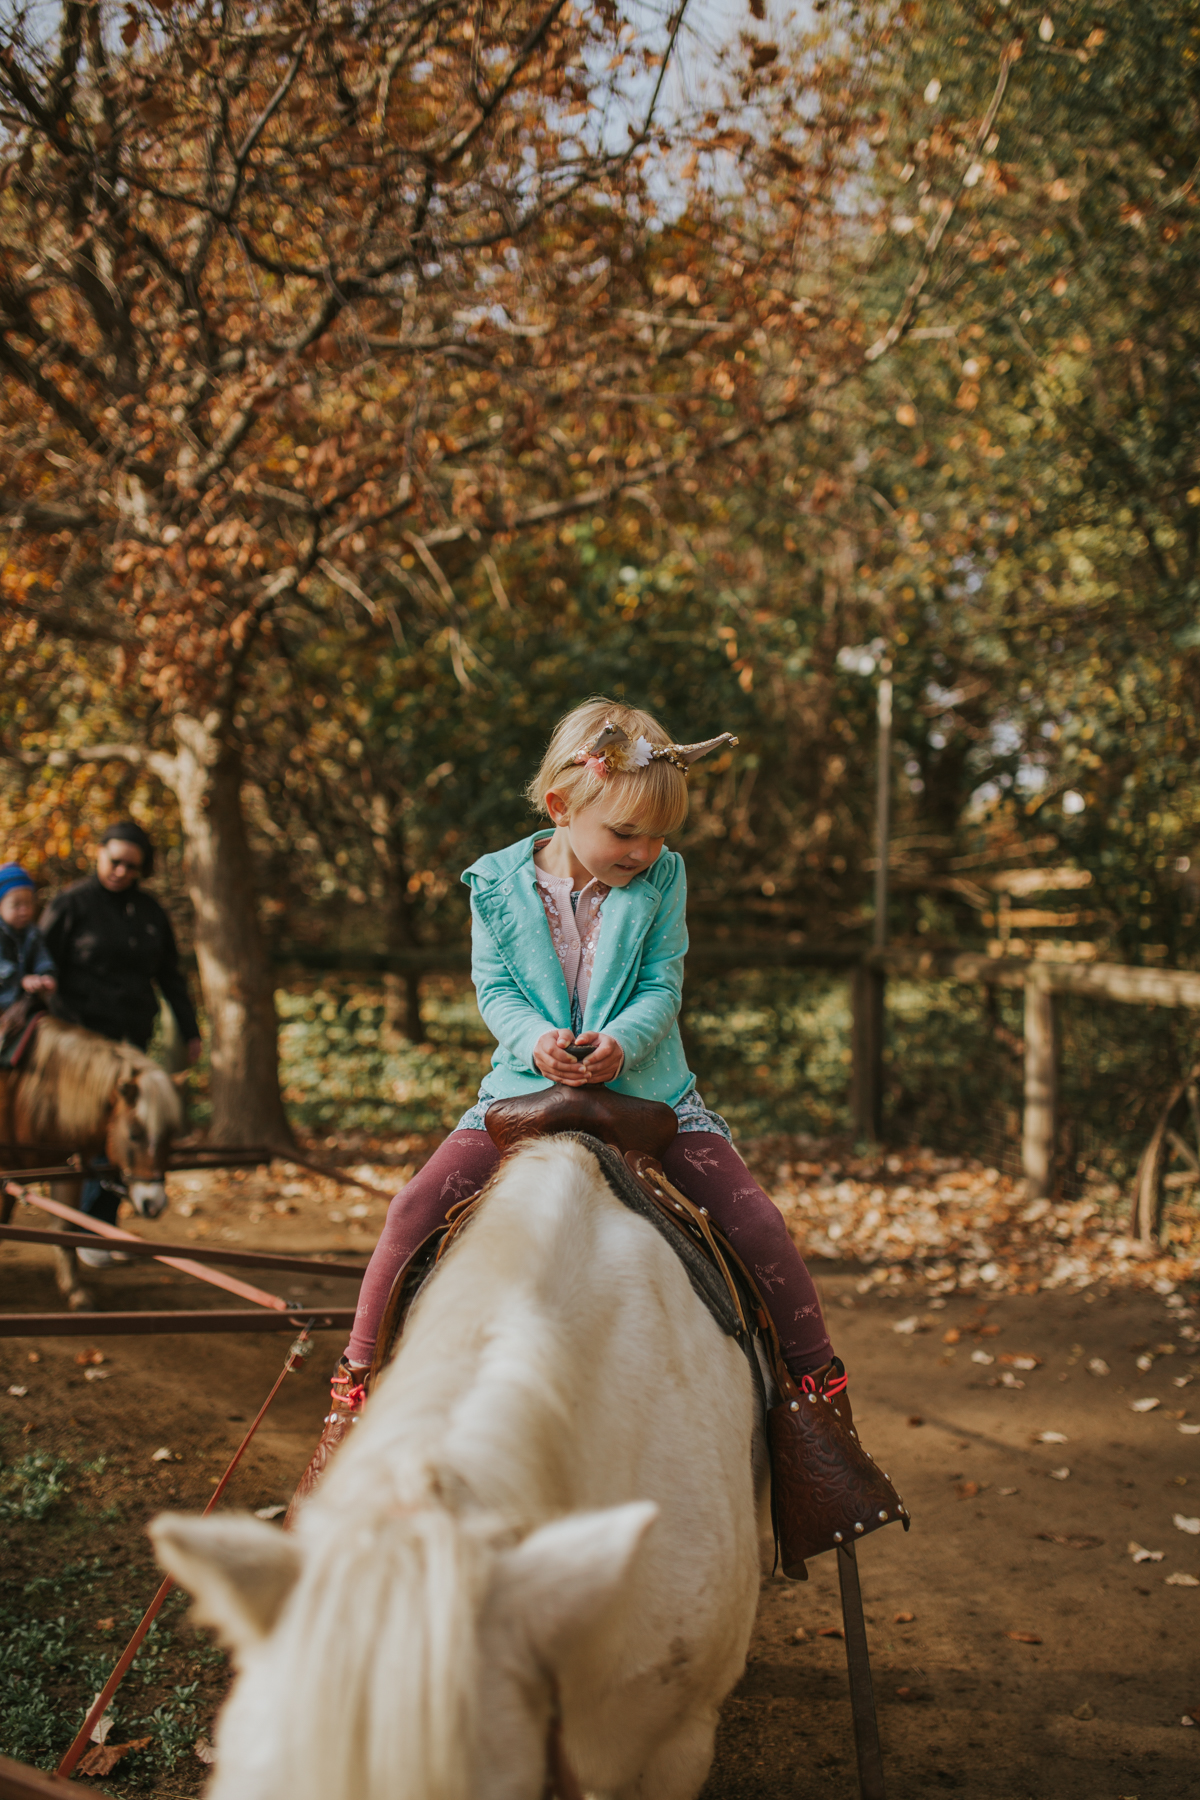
[(637, 980)]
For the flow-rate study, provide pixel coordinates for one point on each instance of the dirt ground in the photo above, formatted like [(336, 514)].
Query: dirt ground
[(1040, 1662)]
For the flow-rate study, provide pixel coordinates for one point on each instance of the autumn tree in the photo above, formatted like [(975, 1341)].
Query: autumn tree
[(245, 256), (309, 321)]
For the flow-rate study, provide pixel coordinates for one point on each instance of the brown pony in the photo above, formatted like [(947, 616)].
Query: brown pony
[(79, 1093)]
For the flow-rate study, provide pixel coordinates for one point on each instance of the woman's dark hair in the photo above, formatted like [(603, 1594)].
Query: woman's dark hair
[(126, 831)]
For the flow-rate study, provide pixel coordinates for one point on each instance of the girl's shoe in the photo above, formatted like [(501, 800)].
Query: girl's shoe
[(347, 1393)]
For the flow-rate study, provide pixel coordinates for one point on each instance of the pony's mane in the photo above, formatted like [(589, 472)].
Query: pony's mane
[(68, 1088), (405, 1662)]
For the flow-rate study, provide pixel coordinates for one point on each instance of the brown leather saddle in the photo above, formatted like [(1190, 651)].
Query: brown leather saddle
[(19, 1029), (826, 1489), (634, 1127)]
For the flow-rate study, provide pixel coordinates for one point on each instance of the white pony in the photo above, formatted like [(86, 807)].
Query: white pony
[(554, 1500)]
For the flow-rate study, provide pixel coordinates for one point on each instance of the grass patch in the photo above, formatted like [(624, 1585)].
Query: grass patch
[(62, 1630), (32, 1487)]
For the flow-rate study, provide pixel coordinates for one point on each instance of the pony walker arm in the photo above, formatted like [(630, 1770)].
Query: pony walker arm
[(613, 752)]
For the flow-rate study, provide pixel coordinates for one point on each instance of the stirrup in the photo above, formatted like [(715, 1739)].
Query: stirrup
[(347, 1395), (826, 1489)]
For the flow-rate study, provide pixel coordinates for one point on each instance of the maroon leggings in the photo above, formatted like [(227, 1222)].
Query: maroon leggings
[(708, 1170)]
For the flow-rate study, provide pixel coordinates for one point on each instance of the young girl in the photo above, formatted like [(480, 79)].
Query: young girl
[(578, 938)]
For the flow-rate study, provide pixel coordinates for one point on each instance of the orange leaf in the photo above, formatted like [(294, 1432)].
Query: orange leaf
[(102, 1759)]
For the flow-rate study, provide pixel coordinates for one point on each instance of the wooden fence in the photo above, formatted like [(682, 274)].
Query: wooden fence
[(868, 971)]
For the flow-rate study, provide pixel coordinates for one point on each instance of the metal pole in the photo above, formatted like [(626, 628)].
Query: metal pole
[(862, 1696), (883, 803), (869, 983)]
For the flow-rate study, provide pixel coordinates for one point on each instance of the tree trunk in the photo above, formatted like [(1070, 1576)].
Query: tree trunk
[(402, 993), (235, 973)]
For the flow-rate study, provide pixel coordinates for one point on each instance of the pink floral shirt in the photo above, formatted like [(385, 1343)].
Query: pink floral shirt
[(575, 931)]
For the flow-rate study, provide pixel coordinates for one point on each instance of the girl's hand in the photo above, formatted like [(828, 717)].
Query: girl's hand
[(39, 984), (603, 1060), (550, 1056)]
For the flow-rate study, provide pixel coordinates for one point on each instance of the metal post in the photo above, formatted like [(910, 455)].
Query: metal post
[(866, 1051), (869, 983), (862, 1696), (883, 803), (1041, 1083)]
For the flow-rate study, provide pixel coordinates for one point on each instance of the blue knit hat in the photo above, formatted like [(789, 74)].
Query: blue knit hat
[(12, 875)]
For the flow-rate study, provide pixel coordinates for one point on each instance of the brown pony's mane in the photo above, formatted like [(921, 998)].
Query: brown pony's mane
[(68, 1088)]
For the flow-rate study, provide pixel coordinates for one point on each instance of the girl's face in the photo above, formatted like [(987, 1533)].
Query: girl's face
[(611, 850)]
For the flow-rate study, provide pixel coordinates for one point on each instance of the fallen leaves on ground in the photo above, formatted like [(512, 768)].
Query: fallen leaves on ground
[(1023, 1637), (1183, 1523), (1075, 1540), (1140, 1554), (963, 1225), (102, 1759)]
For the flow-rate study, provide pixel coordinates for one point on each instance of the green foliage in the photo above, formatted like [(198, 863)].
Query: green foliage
[(43, 1659), (32, 1487), (173, 1725), (337, 1071), (51, 1665)]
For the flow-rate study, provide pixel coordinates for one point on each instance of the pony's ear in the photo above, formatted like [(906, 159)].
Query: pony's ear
[(238, 1572), (128, 1090), (564, 1576)]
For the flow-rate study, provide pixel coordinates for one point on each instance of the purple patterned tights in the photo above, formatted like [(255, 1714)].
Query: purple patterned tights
[(706, 1167)]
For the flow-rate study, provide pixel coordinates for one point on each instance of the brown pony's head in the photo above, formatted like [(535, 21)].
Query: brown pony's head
[(147, 1113), (82, 1093)]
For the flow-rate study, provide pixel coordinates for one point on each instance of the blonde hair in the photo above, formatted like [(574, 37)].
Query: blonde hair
[(654, 799)]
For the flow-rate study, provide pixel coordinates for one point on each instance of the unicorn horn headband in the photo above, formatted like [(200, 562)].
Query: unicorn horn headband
[(614, 752)]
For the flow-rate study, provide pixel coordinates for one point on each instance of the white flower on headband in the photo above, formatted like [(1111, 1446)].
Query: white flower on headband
[(642, 754)]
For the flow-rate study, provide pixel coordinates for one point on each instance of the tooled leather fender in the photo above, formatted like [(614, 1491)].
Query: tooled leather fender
[(645, 1126), (827, 1490)]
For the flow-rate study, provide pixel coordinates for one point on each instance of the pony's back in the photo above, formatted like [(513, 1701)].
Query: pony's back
[(481, 1534)]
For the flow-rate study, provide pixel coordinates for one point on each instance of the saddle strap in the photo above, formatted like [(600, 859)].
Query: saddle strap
[(675, 1206)]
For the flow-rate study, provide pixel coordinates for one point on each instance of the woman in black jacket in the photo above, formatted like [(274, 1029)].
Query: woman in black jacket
[(112, 943)]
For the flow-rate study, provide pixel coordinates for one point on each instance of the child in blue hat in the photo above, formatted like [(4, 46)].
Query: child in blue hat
[(26, 966)]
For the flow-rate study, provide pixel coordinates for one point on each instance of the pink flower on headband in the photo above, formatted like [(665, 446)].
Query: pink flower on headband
[(597, 766)]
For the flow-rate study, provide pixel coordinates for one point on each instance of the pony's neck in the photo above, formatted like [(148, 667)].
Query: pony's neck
[(479, 1406)]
